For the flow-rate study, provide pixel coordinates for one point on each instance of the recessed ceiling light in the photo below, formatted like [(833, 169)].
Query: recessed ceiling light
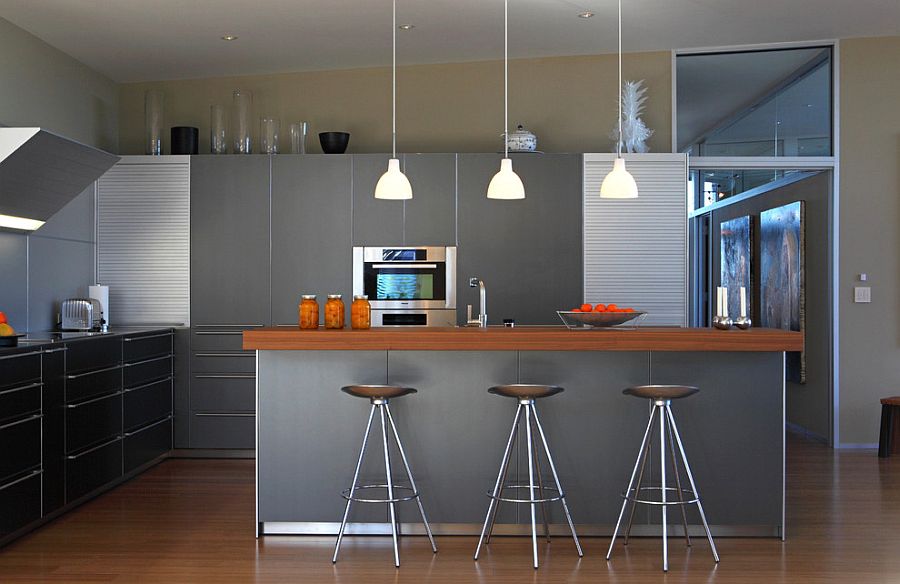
[(585, 15), (406, 26), (229, 37)]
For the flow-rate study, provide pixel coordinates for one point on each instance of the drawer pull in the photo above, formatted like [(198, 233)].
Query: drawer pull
[(93, 449), (104, 370), (228, 325), (22, 421), (225, 414), (145, 361), (92, 400), (148, 426), (218, 333), (31, 475), (236, 354), (18, 355), (22, 388), (56, 350), (131, 339), (145, 385), (225, 376)]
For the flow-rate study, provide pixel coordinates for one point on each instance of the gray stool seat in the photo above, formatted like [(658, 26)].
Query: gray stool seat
[(661, 391), (525, 391), (377, 391)]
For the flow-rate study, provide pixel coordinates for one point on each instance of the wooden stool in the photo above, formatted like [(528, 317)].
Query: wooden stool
[(889, 442)]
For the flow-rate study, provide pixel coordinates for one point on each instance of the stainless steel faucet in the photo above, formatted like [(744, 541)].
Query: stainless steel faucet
[(482, 320)]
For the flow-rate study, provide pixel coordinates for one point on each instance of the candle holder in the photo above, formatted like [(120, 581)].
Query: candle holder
[(743, 323), (722, 322)]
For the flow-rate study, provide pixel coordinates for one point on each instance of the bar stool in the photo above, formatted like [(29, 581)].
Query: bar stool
[(526, 395), (379, 396), (661, 397)]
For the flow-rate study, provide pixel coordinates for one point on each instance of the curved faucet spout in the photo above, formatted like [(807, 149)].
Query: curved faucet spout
[(482, 320)]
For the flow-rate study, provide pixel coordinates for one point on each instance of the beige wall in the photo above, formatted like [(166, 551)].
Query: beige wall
[(44, 87), (569, 102), (869, 232)]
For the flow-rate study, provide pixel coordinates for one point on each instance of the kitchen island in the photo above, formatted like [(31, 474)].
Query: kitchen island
[(308, 432)]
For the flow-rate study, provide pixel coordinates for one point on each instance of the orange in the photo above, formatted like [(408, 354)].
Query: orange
[(612, 308), (600, 308), (627, 310), (3, 318), (586, 307), (575, 310)]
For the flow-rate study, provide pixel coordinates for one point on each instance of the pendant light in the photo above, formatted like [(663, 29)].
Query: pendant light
[(393, 184), (506, 184), (619, 184)]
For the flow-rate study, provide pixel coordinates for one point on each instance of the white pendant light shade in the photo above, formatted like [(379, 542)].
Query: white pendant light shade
[(619, 184), (506, 184), (393, 185)]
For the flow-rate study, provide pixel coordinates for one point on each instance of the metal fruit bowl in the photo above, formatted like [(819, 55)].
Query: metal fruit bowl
[(589, 320), (10, 340)]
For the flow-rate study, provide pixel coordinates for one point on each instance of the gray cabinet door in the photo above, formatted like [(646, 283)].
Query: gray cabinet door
[(375, 222), (528, 252), (429, 218), (230, 206), (311, 231)]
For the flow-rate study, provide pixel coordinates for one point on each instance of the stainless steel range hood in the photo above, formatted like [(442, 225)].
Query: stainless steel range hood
[(40, 172)]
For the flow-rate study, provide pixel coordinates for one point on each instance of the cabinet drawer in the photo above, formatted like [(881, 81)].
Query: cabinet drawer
[(93, 353), (85, 385), (218, 338), (142, 372), (224, 392), (93, 468), (139, 348), (20, 502), (221, 430), (20, 401), (144, 404), (21, 441), (224, 362), (93, 421), (19, 370), (148, 443)]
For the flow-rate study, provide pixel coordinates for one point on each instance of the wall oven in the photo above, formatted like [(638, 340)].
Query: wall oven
[(407, 286)]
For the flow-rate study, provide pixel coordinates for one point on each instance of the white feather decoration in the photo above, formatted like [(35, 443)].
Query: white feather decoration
[(634, 131)]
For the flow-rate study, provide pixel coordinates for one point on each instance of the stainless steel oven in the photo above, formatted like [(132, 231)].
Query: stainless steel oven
[(407, 286)]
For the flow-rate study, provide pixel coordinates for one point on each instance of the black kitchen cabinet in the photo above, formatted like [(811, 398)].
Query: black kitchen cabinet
[(375, 222), (54, 438), (147, 381), (429, 218)]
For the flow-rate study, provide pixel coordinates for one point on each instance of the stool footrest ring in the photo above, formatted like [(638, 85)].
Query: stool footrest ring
[(632, 496), (413, 494), (559, 495)]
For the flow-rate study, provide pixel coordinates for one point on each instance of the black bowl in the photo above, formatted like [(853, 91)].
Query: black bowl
[(334, 142)]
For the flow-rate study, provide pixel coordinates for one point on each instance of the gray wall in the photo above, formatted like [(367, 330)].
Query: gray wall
[(809, 405)]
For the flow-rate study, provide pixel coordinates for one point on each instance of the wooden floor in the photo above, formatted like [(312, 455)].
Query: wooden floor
[(191, 521)]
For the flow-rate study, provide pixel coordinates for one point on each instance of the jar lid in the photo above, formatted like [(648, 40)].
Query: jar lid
[(308, 297), (360, 297), (334, 296)]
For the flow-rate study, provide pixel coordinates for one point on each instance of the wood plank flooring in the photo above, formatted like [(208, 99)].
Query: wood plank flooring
[(191, 521)]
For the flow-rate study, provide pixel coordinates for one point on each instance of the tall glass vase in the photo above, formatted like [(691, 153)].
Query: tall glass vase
[(269, 130), (240, 122), (154, 101), (218, 143)]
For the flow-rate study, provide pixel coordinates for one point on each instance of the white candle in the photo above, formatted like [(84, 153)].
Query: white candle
[(743, 302), (724, 301), (718, 301)]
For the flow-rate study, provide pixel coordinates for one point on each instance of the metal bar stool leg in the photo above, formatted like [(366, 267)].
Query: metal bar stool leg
[(533, 505), (540, 479), (662, 470), (559, 488), (497, 486), (690, 476), (362, 453), (390, 487), (687, 536), (634, 472), (499, 501), (412, 481), (640, 481)]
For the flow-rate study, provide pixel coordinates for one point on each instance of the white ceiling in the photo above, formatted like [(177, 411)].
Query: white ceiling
[(143, 40)]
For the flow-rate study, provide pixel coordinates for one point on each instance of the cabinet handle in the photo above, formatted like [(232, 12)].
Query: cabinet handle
[(157, 382), (235, 354), (92, 400), (225, 414), (22, 388), (218, 333), (389, 266), (57, 350), (148, 426), (31, 475), (145, 361), (94, 449), (228, 325), (104, 370), (22, 421), (18, 355), (130, 339), (225, 376)]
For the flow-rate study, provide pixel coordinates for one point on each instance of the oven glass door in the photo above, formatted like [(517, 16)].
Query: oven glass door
[(405, 283)]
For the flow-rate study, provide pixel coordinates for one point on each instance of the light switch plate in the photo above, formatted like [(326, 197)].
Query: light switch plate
[(862, 294)]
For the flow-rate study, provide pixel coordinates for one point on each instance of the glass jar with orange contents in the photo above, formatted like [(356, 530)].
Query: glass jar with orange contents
[(360, 312), (334, 312), (308, 312)]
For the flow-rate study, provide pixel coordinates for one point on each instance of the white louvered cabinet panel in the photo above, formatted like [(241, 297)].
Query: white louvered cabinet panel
[(143, 239), (635, 250)]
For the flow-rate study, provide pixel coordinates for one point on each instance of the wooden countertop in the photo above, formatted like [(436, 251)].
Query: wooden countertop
[(522, 338)]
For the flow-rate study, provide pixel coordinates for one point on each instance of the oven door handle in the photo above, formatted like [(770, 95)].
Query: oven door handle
[(389, 266)]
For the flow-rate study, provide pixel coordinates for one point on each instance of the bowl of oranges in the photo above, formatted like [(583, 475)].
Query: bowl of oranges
[(588, 316), (8, 336)]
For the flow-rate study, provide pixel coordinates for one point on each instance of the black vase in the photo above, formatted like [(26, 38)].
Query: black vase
[(185, 140), (334, 142)]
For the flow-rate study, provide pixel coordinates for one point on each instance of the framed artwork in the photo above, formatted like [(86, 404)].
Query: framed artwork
[(782, 279), (735, 259)]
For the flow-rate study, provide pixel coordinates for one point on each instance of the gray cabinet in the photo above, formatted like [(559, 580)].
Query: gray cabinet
[(528, 252), (311, 231), (230, 208), (429, 218), (375, 222)]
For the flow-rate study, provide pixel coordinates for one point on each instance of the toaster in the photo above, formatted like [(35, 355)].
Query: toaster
[(80, 314)]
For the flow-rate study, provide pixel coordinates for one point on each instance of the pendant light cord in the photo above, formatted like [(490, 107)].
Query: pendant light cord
[(620, 137), (506, 79), (394, 86)]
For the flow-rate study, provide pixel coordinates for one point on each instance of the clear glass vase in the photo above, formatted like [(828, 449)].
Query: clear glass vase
[(269, 129), (218, 140), (154, 101), (240, 126), (299, 131)]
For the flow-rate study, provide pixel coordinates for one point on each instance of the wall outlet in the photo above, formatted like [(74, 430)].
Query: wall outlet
[(862, 294)]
